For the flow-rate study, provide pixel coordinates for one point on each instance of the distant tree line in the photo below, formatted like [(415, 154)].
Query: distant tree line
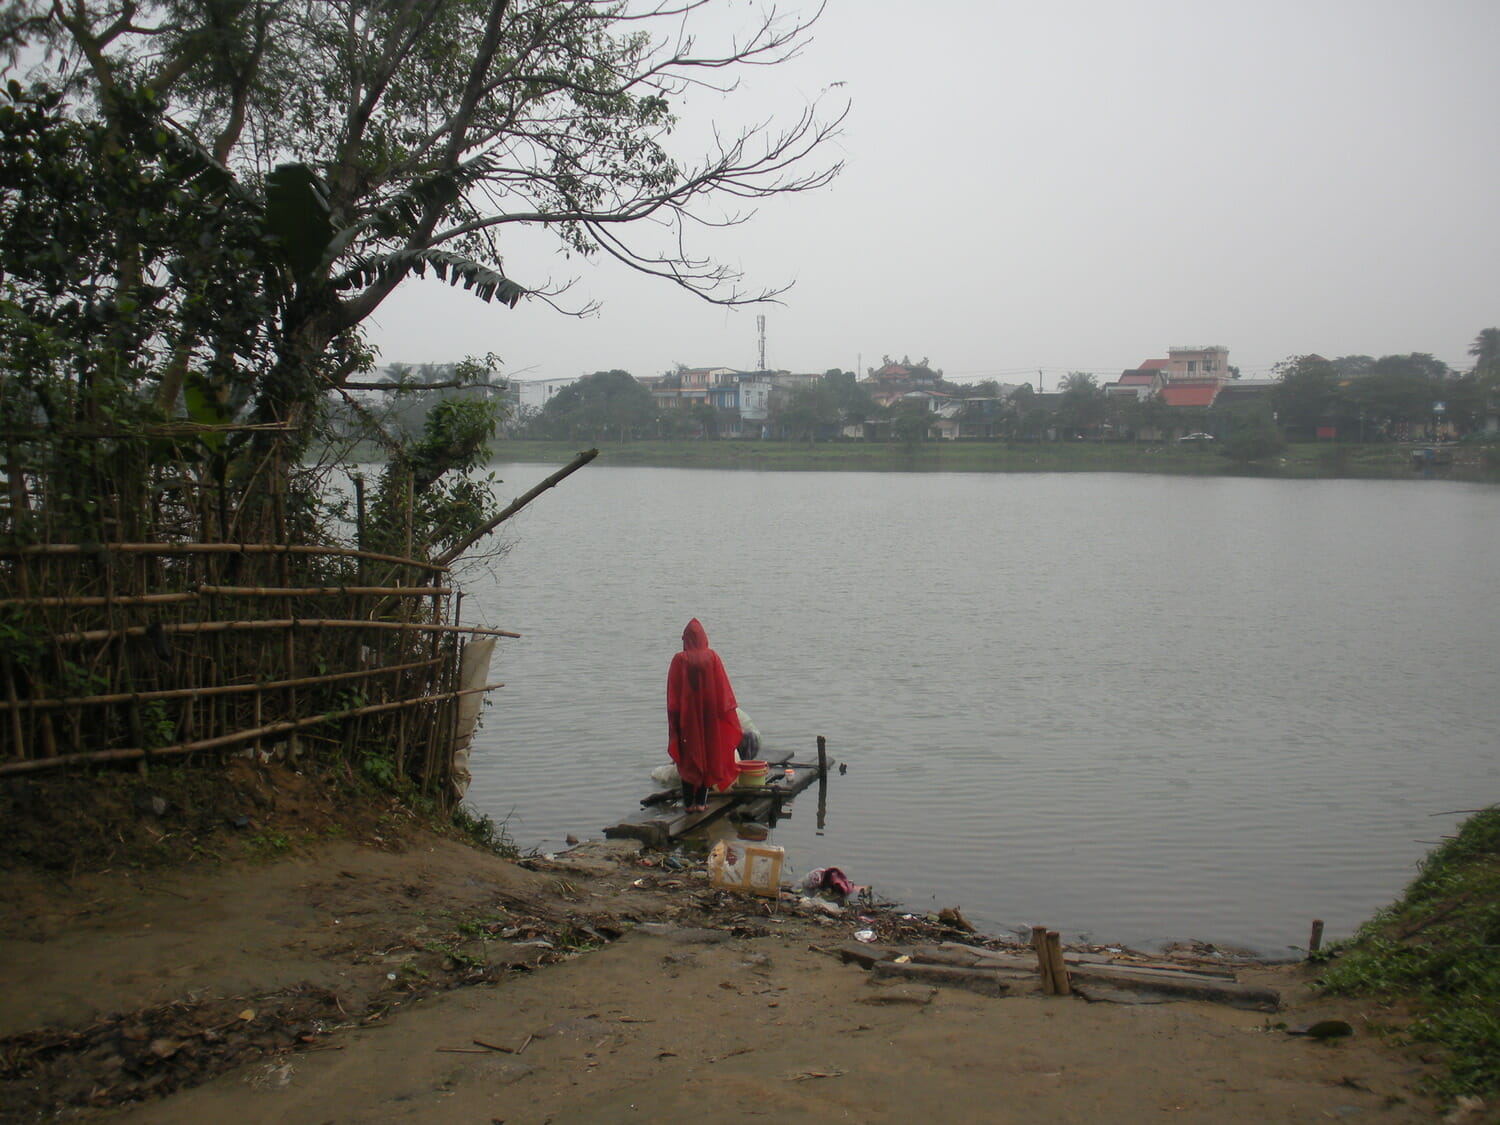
[(1352, 398)]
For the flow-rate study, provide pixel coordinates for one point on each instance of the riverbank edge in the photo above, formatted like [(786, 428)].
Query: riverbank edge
[(1434, 954), (311, 823), (1308, 461)]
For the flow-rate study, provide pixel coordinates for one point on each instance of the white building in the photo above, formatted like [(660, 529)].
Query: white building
[(533, 394)]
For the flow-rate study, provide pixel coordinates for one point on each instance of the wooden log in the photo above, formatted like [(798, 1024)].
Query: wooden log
[(1055, 961), (1043, 959), (822, 756), (1315, 939)]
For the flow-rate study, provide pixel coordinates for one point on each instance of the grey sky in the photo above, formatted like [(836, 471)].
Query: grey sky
[(1075, 186)]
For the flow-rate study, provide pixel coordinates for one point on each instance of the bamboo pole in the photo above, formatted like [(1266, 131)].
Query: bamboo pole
[(88, 601), (324, 591), (130, 753), (50, 549), (199, 692), (89, 636), (448, 557)]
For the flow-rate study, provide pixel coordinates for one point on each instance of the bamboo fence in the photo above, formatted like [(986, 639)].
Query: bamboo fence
[(133, 629)]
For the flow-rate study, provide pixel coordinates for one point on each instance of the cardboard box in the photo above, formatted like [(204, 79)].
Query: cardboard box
[(750, 869)]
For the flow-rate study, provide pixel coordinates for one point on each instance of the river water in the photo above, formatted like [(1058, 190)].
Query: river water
[(1131, 708)]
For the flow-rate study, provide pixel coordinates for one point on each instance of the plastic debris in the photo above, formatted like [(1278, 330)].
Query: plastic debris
[(865, 936)]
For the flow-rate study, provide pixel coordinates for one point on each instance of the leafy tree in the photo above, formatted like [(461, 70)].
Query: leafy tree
[(1306, 393), (1396, 389), (606, 404), (911, 422), (1082, 405), (705, 419), (852, 402), (809, 411), (1029, 417), (1250, 433), (1486, 352), (409, 138)]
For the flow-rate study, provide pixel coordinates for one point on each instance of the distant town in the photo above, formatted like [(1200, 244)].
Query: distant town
[(1192, 393)]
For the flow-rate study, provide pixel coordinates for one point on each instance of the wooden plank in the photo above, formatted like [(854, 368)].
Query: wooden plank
[(1182, 987), (1150, 966)]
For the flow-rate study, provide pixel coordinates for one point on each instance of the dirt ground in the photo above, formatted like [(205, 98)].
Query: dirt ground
[(400, 976)]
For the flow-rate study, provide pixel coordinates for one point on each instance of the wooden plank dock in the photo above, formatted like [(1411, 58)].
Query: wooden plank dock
[(663, 820)]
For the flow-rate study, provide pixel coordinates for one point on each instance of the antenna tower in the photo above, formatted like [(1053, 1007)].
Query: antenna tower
[(760, 325)]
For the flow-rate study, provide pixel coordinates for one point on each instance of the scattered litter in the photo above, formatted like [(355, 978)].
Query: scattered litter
[(829, 879), (756, 869), (865, 936), (819, 904)]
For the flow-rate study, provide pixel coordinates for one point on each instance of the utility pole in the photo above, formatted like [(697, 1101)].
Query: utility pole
[(760, 324)]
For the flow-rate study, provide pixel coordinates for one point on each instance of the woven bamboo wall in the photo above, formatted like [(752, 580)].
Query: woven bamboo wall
[(117, 651)]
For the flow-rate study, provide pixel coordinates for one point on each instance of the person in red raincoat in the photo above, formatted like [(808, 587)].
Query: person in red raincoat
[(702, 726)]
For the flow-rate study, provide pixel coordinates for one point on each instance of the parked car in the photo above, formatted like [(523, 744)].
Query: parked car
[(1196, 437)]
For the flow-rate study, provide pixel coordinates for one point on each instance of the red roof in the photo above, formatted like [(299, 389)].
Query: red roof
[(1136, 379), (1189, 394), (1155, 365)]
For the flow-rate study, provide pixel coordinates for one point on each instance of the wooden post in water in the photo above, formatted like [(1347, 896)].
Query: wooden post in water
[(1315, 939), (1043, 958), (822, 756)]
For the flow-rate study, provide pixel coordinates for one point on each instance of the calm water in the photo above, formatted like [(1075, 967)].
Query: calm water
[(1129, 707)]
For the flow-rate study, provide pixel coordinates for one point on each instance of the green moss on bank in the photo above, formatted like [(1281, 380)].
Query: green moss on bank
[(1438, 949)]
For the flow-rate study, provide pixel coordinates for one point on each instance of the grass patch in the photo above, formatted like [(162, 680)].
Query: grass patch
[(1301, 461), (482, 832), (1438, 949)]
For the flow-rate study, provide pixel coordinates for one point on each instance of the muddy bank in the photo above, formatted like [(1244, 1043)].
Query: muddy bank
[(413, 978)]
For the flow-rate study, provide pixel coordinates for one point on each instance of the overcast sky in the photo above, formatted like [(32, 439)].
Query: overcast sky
[(1073, 186)]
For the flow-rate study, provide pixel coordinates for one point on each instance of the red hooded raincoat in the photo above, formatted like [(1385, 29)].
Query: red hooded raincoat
[(703, 728)]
